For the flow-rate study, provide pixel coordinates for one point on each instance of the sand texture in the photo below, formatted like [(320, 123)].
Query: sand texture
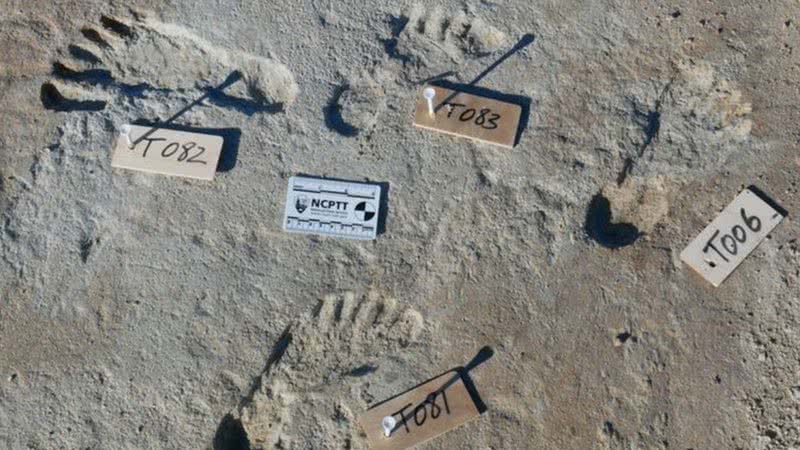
[(142, 311)]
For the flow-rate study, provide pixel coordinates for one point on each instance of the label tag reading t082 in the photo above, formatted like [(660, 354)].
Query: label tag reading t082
[(333, 208), (168, 152)]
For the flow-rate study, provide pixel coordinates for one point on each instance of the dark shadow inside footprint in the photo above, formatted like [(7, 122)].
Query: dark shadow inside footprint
[(53, 100), (600, 228), (116, 26), (94, 36), (245, 106), (230, 140), (100, 77), (361, 371), (396, 24), (230, 435), (103, 78), (83, 54), (333, 115)]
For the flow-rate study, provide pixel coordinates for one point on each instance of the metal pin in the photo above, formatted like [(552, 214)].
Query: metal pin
[(388, 424), (429, 93), (125, 132)]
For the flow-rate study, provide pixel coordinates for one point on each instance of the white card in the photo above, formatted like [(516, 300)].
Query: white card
[(333, 208), (168, 152), (727, 241)]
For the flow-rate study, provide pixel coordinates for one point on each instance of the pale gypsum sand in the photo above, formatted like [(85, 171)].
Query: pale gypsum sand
[(141, 311)]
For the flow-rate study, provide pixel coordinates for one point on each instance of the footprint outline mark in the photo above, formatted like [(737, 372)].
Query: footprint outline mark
[(115, 59), (600, 228), (347, 336)]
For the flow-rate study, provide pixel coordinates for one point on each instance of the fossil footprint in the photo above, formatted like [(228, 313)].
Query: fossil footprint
[(302, 394), (143, 54), (429, 32)]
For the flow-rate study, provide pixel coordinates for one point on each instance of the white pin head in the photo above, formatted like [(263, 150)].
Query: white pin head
[(125, 131), (429, 93), (388, 424)]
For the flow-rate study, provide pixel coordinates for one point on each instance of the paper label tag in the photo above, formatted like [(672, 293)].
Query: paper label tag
[(334, 208), (421, 413), (727, 241), (168, 152), (461, 114)]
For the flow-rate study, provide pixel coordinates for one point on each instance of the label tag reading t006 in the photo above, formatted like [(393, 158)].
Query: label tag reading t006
[(727, 241), (333, 208)]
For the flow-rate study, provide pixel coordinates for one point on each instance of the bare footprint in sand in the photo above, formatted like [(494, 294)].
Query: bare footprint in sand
[(357, 105), (429, 34), (697, 122), (426, 41), (130, 56), (308, 394)]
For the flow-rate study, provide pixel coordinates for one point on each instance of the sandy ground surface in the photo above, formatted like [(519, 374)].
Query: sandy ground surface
[(144, 311)]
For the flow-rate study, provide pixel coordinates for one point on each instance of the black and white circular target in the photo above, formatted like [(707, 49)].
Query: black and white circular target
[(365, 211)]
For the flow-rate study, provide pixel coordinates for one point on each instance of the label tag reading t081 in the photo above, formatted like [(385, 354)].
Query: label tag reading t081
[(419, 414), (333, 208)]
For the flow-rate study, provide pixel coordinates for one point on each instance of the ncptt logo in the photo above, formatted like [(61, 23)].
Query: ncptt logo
[(301, 204), (328, 204)]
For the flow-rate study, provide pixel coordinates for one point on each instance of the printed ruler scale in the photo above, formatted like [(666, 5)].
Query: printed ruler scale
[(333, 208)]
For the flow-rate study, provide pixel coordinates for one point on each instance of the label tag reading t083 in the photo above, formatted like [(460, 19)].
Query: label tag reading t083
[(467, 115), (333, 208)]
